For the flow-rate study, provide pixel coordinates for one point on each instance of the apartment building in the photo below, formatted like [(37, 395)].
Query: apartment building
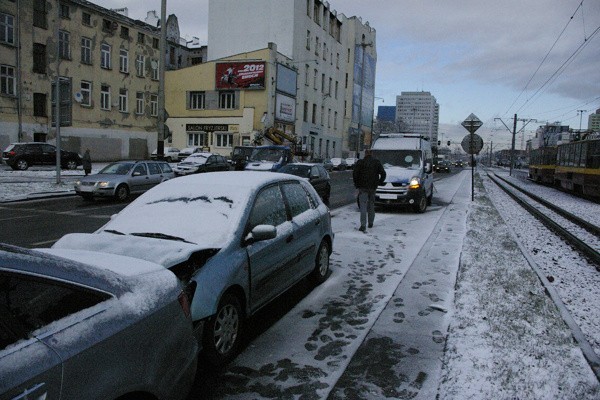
[(107, 68), (329, 52), (418, 112)]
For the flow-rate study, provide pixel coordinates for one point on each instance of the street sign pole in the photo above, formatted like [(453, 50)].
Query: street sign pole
[(472, 144)]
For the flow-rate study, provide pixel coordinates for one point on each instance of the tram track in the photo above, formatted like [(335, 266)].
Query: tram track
[(581, 234)]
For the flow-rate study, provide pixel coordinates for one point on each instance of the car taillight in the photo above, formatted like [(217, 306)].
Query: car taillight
[(11, 153), (184, 301)]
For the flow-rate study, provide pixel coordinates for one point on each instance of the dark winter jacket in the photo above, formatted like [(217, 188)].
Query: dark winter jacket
[(368, 173), (87, 161)]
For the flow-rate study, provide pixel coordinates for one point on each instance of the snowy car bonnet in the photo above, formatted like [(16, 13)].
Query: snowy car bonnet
[(399, 175)]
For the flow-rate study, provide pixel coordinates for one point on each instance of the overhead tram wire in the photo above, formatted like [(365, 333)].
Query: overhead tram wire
[(546, 56)]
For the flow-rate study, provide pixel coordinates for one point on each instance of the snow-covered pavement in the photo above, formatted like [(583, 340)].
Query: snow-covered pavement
[(422, 305)]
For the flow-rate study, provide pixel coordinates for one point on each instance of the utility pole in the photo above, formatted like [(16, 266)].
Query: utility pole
[(360, 100), (160, 148), (57, 92), (580, 117), (514, 133)]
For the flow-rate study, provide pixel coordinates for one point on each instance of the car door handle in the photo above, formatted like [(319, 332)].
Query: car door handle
[(289, 239)]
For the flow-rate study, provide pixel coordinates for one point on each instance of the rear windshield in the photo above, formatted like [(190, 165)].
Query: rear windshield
[(399, 158)]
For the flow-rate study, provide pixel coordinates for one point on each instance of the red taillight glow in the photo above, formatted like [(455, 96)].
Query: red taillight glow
[(11, 153), (184, 302)]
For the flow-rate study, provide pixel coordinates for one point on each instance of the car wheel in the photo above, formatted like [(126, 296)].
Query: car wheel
[(421, 205), (223, 331), (122, 192), (22, 164), (71, 164), (319, 274)]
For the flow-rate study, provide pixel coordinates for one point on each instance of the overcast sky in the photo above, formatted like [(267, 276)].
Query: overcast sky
[(494, 58)]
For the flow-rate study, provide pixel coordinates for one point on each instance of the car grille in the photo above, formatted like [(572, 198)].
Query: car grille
[(88, 183)]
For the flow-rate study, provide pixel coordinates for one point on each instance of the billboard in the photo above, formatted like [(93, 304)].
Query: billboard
[(286, 80), (240, 75), (285, 108)]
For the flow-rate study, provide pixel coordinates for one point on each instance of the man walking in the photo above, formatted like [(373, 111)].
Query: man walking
[(367, 175)]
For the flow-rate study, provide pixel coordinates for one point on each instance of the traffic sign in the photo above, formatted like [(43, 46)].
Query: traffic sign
[(472, 144), (472, 123)]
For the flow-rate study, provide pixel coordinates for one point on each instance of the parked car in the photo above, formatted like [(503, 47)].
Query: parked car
[(240, 156), (316, 174), (202, 162), (228, 235), (171, 154), (81, 325), (442, 166), (122, 178), (350, 161), (339, 164), (188, 151), (23, 155), (326, 163)]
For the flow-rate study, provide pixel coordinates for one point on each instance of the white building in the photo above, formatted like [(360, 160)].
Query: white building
[(325, 48), (418, 112)]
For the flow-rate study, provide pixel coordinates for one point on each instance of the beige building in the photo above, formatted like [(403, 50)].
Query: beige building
[(231, 101), (108, 68)]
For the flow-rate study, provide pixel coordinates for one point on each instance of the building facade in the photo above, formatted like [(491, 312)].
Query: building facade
[(418, 112), (329, 53), (594, 121), (107, 66)]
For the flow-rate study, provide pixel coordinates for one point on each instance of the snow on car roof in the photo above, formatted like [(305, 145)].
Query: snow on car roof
[(202, 209)]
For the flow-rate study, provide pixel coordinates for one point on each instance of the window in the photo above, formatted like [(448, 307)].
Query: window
[(124, 61), (315, 79), (86, 93), (322, 83), (7, 79), (314, 114), (155, 43), (335, 120), (108, 25), (154, 105), (329, 118), (317, 46), (305, 116), (197, 139), (39, 105), (63, 45), (316, 13), (308, 7), (140, 169), (64, 11), (322, 115), (227, 100), (123, 95), (86, 50), (141, 38), (224, 140), (268, 208), (196, 100), (105, 97), (308, 40), (329, 87), (140, 62), (124, 32), (105, 56), (297, 198), (139, 103), (337, 84), (154, 66), (306, 75), (324, 51), (39, 58), (337, 60), (7, 28), (86, 19), (40, 18)]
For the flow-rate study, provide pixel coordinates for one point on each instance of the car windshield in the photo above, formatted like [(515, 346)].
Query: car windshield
[(399, 158), (298, 170), (266, 154), (117, 168)]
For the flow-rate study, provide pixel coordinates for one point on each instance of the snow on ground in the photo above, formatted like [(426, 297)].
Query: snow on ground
[(506, 339)]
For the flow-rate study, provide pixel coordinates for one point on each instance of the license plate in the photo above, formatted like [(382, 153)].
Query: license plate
[(388, 196)]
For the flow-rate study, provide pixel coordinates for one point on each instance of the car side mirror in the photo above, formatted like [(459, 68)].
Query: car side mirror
[(428, 168), (136, 173), (260, 233), (314, 176)]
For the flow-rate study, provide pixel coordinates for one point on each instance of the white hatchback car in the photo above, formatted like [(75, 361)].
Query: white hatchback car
[(171, 154)]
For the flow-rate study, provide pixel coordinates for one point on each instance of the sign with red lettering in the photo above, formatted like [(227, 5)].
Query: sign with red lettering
[(240, 75)]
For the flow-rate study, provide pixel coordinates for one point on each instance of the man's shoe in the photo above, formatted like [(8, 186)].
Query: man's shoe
[(362, 229), (370, 225)]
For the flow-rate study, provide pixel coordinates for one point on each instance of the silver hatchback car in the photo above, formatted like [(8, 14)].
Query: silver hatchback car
[(81, 325), (239, 239), (122, 178)]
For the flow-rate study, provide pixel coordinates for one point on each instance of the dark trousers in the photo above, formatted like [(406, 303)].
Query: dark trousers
[(366, 203)]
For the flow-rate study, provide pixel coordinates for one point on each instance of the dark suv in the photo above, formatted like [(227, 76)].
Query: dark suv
[(22, 155)]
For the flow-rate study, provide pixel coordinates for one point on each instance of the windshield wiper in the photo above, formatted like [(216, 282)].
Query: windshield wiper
[(156, 235), (113, 231)]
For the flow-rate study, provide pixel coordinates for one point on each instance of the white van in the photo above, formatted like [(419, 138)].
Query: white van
[(408, 162)]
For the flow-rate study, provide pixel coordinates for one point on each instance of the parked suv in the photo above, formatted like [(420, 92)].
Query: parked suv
[(22, 155)]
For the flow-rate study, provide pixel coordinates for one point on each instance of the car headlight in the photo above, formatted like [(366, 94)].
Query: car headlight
[(77, 183), (103, 184), (414, 182)]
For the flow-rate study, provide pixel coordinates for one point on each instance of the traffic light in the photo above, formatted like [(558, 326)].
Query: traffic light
[(448, 143), (439, 142)]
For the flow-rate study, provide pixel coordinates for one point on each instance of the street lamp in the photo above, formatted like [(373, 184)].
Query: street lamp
[(360, 100)]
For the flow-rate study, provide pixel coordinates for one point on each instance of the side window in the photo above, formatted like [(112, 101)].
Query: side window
[(166, 168), (297, 198), (314, 171), (268, 209), (32, 302), (141, 169), (154, 169), (211, 160)]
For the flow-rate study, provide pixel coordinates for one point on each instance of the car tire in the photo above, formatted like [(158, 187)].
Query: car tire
[(421, 205), (122, 192), (21, 164), (223, 331), (70, 164), (321, 271)]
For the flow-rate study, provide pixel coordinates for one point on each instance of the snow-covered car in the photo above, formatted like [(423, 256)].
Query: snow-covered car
[(188, 151), (350, 161), (82, 325), (202, 162), (171, 154), (238, 239), (339, 164), (122, 178)]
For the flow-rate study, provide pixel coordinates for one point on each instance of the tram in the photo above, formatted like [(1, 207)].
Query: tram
[(542, 163)]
